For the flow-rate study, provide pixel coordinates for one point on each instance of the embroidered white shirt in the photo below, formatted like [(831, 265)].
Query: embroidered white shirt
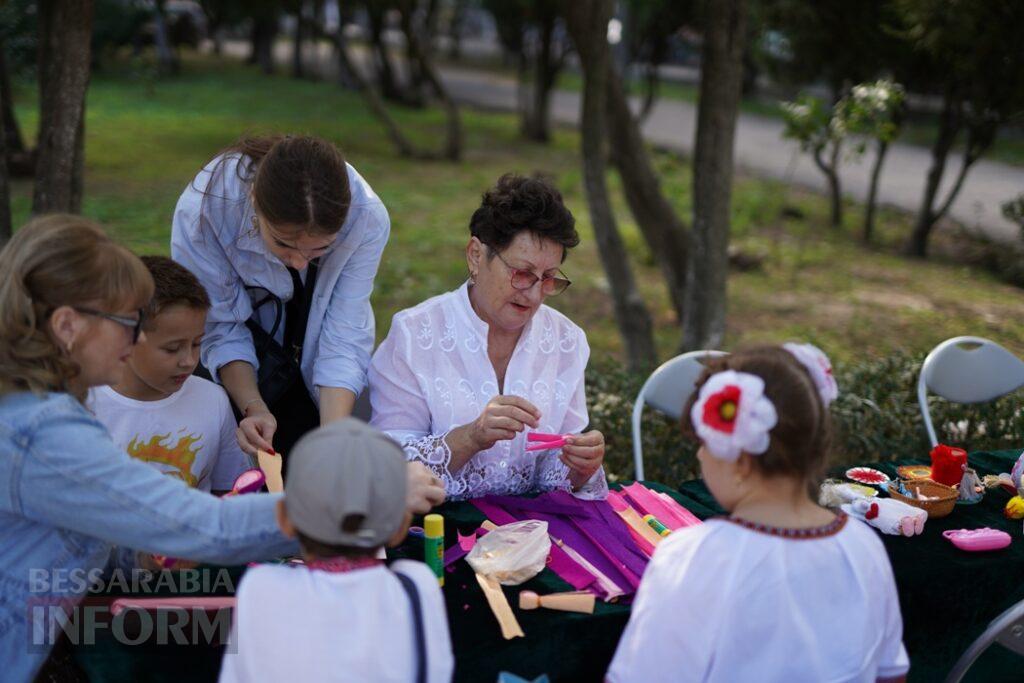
[(432, 374)]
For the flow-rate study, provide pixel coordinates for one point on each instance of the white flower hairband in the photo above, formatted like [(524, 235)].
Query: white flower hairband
[(819, 367), (732, 415)]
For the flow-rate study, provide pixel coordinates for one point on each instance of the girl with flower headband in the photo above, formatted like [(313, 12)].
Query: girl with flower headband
[(781, 589)]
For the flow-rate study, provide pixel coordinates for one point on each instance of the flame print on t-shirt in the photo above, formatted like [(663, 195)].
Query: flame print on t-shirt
[(181, 456)]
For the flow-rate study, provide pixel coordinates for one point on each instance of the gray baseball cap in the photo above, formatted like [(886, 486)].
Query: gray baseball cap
[(346, 485)]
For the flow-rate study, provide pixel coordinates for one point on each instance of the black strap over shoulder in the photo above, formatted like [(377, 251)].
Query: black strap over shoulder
[(297, 310), (279, 364), (419, 639)]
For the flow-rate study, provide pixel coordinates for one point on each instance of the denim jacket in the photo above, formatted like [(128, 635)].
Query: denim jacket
[(67, 494)]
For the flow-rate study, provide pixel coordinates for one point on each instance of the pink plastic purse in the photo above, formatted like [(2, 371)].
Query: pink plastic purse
[(978, 540)]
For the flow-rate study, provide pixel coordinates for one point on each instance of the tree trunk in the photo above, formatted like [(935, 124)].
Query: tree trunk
[(662, 229), (14, 143), (651, 83), (6, 229), (537, 115), (389, 87), (949, 126), (835, 192), (721, 81), (455, 30), (415, 91), (419, 53), (974, 151), (869, 210), (298, 68), (405, 146), (65, 30), (167, 60), (264, 31), (587, 22)]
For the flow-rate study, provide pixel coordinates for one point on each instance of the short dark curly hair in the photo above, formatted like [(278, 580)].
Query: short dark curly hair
[(517, 203), (174, 285)]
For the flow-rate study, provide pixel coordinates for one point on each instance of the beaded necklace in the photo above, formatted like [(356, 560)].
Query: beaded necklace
[(829, 529)]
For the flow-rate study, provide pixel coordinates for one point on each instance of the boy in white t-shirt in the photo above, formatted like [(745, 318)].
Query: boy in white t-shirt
[(343, 615), (160, 412)]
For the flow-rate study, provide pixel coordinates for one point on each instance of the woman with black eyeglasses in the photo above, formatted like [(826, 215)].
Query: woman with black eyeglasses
[(286, 238), (463, 377)]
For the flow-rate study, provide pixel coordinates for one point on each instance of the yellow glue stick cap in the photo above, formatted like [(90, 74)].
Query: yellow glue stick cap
[(433, 525)]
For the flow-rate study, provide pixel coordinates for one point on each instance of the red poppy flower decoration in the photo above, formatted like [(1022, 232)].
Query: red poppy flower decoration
[(732, 415), (721, 409)]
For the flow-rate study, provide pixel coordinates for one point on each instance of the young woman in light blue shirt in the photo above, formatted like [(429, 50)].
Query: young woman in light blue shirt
[(258, 224)]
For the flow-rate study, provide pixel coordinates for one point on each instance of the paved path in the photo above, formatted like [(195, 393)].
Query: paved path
[(761, 150)]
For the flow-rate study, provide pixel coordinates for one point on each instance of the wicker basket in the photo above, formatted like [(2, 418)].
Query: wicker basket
[(940, 507)]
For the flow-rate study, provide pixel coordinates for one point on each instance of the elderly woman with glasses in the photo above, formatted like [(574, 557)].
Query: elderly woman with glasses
[(464, 378)]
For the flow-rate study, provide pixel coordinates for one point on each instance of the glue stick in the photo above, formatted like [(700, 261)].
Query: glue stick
[(433, 544), (658, 527)]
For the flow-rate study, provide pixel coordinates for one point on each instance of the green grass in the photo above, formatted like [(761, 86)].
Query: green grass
[(146, 139)]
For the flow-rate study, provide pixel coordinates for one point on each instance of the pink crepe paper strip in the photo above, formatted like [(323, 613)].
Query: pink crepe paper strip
[(204, 603), (618, 502), (664, 508), (461, 549), (467, 542), (544, 436), (545, 445)]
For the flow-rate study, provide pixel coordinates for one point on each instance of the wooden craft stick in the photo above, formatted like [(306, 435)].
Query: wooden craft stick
[(489, 525), (271, 466), (575, 601), (499, 605)]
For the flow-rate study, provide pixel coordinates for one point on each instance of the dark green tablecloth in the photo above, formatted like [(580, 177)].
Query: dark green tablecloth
[(947, 598)]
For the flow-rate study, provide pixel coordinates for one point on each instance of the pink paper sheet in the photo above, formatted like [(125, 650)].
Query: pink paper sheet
[(203, 603)]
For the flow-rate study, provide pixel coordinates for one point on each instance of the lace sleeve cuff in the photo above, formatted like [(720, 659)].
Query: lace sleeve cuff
[(595, 488), (432, 451)]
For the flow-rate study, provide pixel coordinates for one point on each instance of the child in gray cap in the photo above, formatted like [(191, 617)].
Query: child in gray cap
[(343, 615)]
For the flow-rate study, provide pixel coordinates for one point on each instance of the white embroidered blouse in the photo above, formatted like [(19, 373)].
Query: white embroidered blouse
[(432, 374)]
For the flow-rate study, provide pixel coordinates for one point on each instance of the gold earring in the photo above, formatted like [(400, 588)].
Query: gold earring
[(71, 346)]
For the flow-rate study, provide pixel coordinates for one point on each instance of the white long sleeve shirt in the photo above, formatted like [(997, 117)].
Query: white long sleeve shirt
[(432, 374)]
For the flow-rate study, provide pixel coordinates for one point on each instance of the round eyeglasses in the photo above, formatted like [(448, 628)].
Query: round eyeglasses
[(550, 285), (134, 324)]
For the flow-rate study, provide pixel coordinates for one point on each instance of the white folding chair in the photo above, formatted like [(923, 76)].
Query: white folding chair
[(967, 370), (667, 390), (1007, 629)]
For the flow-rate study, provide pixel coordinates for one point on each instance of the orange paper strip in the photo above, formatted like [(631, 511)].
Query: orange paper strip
[(499, 605), (271, 466)]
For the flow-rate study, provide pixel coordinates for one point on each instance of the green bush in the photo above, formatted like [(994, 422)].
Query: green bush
[(876, 418)]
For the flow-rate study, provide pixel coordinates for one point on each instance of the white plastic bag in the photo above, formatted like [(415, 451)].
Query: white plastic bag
[(513, 553)]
